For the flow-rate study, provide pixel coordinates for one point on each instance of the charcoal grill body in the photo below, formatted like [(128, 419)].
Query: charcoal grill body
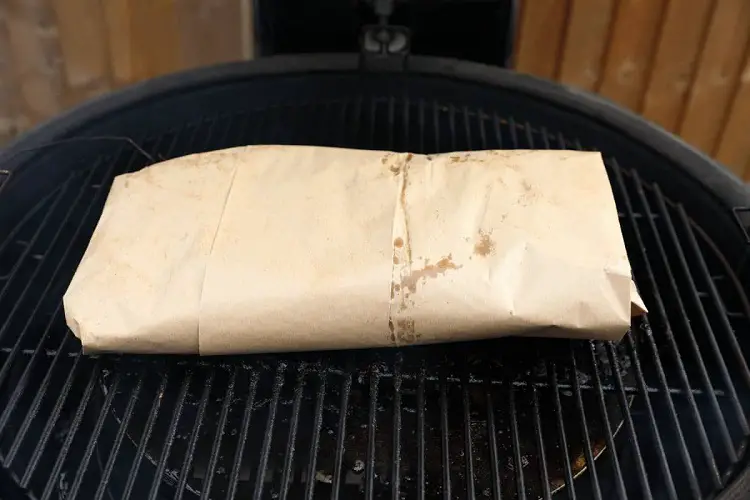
[(663, 414)]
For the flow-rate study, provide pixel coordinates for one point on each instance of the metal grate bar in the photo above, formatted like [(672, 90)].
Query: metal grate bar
[(176, 414), (356, 126), (396, 476), (609, 436), (371, 427), (643, 475), (61, 192), (373, 124), (406, 121), (48, 426), (444, 441), (481, 118), (469, 452), (519, 384), (286, 474), (118, 438), (669, 334), (153, 413), (391, 123), (420, 437), (467, 128), (343, 119), (518, 464), (552, 370), (452, 127), (542, 455), (315, 441), (422, 126), (655, 434), (190, 453), (590, 463), (213, 459), (716, 298), (341, 437), (33, 277), (94, 437), (53, 476), (704, 320), (273, 406), (498, 133), (436, 125), (41, 390), (22, 382), (52, 279), (247, 414), (27, 216), (649, 334), (687, 462), (723, 430)]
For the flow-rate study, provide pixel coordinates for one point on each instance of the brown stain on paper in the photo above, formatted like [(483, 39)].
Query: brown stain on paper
[(406, 330), (485, 246), (431, 271)]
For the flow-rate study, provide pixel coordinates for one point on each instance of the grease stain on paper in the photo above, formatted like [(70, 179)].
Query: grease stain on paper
[(431, 271), (485, 246)]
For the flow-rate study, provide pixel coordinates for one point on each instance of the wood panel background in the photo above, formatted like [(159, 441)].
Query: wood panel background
[(684, 64)]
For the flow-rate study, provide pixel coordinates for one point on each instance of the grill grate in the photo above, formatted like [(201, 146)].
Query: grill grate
[(512, 418)]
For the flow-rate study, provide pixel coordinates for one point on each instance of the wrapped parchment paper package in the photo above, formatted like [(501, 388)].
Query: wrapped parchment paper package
[(282, 248)]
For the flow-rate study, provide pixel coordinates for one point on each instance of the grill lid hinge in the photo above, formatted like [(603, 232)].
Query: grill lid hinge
[(384, 47)]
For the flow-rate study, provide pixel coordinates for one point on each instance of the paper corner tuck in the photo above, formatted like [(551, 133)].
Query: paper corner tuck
[(286, 248)]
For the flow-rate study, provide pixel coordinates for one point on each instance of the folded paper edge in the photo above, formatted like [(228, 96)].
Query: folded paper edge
[(637, 307)]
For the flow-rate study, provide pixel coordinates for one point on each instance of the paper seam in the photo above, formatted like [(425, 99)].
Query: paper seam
[(400, 259), (211, 251)]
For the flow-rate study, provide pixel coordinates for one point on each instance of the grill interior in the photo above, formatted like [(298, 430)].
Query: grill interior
[(662, 414)]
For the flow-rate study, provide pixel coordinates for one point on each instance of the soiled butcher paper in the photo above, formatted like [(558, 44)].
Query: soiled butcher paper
[(288, 248)]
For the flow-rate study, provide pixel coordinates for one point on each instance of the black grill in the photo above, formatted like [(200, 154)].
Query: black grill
[(662, 414)]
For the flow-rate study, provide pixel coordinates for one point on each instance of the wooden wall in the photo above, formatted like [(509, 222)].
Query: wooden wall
[(55, 53), (684, 64)]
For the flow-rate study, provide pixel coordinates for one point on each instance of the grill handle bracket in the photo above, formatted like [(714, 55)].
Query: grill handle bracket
[(384, 47)]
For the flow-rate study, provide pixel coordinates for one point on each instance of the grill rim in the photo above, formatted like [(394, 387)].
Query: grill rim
[(726, 190)]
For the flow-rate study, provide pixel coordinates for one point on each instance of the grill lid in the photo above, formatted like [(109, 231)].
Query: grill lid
[(663, 414)]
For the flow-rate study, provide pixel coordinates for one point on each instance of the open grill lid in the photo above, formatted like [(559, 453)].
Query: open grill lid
[(663, 414)]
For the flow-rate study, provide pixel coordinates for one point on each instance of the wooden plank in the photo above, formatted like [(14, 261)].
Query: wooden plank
[(37, 61), (8, 95), (540, 35), (685, 25), (719, 67), (117, 24), (734, 144), (83, 43), (586, 42), (210, 31), (154, 38), (635, 33)]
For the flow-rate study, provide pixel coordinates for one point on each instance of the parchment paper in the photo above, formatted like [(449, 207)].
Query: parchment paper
[(282, 248)]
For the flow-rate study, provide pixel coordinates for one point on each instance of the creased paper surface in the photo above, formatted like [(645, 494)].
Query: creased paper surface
[(281, 248)]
